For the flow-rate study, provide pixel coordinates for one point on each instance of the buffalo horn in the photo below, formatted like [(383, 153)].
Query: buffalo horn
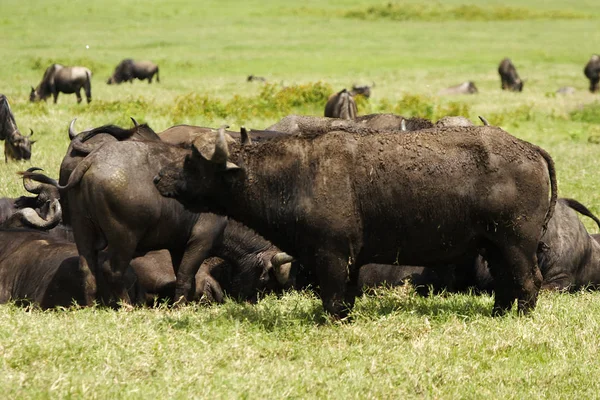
[(29, 217), (28, 183), (245, 137), (72, 133), (403, 125), (282, 267), (32, 89), (221, 151), (135, 123), (485, 121), (31, 134)]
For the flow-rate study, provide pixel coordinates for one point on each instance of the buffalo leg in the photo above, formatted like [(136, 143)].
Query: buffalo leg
[(87, 88), (332, 272), (207, 233), (594, 85), (55, 95), (78, 94)]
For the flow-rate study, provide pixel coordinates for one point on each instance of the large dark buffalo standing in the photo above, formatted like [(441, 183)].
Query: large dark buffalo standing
[(128, 70), (16, 146), (59, 78), (508, 76), (338, 201), (341, 105), (592, 72)]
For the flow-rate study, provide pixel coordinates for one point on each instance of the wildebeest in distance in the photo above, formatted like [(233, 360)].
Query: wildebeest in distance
[(362, 90), (341, 105), (462, 88), (508, 76), (592, 72), (254, 78), (128, 70), (16, 146), (431, 197), (58, 78)]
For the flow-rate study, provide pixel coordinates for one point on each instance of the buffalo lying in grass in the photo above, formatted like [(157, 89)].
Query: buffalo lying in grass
[(16, 146), (508, 76), (128, 70), (58, 78), (339, 201), (462, 88)]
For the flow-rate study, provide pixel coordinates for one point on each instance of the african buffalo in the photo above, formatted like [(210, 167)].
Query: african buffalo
[(592, 72), (467, 87), (59, 78), (509, 77), (338, 201), (16, 146), (128, 70), (341, 105)]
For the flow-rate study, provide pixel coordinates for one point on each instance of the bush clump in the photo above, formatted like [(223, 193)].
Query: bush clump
[(420, 106), (588, 113)]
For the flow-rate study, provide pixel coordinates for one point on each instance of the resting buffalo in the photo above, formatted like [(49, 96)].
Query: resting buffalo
[(463, 88), (509, 77), (59, 78), (341, 105), (128, 70), (592, 72), (338, 201), (16, 146)]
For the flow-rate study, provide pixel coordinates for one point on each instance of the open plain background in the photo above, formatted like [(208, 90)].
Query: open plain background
[(398, 345)]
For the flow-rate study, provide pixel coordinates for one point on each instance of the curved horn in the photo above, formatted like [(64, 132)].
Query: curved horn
[(403, 125), (72, 133), (135, 123), (283, 268), (28, 183), (221, 150), (31, 134), (32, 89), (485, 121), (281, 258), (30, 218), (245, 137)]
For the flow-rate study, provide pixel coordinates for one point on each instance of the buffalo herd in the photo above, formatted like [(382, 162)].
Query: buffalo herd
[(336, 204)]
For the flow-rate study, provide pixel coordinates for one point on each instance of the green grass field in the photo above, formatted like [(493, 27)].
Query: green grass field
[(399, 345)]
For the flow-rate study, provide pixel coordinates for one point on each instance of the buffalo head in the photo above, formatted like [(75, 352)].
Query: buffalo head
[(18, 146), (201, 176)]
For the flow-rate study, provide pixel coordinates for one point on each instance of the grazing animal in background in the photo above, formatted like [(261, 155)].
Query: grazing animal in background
[(341, 105), (16, 146), (128, 70), (592, 72), (463, 88), (566, 90), (362, 90), (338, 201), (59, 78), (508, 76), (254, 78)]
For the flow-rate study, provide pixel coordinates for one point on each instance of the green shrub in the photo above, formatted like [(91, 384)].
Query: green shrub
[(587, 113)]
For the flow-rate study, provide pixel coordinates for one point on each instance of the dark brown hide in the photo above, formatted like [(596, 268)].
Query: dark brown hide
[(128, 70), (361, 90), (338, 201), (592, 72), (58, 78), (365, 124), (341, 105), (508, 76)]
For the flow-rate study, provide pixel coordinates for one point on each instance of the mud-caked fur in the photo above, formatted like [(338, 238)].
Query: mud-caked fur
[(338, 201)]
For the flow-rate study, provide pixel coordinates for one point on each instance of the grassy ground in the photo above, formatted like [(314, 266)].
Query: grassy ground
[(398, 345)]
